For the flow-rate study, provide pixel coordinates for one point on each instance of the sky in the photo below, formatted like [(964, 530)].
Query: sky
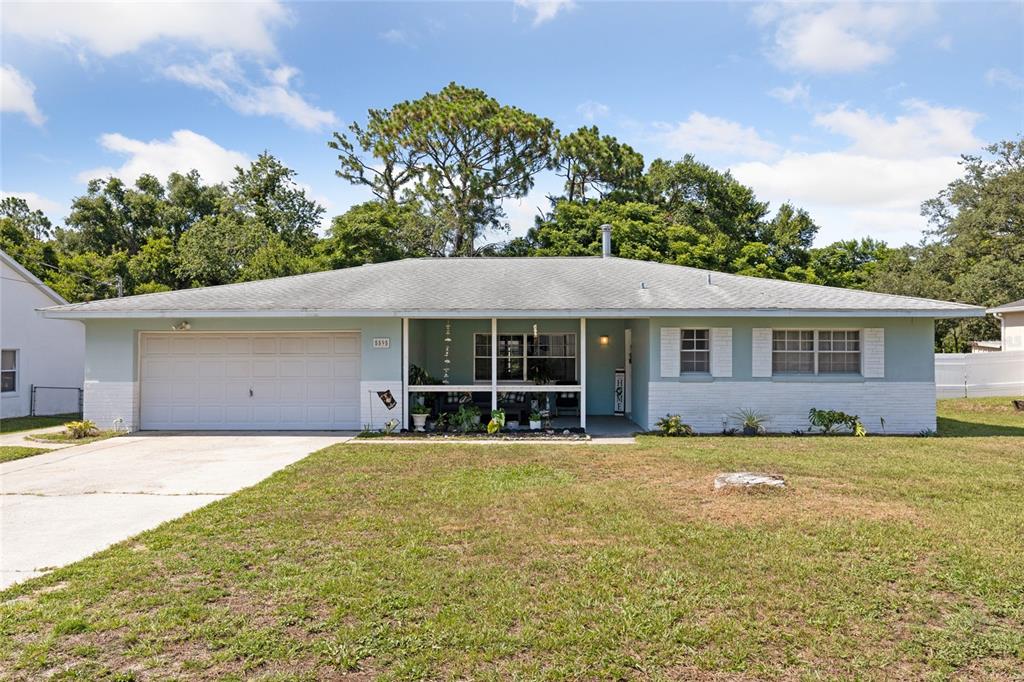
[(856, 112)]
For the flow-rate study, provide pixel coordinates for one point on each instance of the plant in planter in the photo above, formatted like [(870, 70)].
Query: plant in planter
[(467, 418), (419, 412), (751, 422), (81, 429), (497, 422), (536, 420)]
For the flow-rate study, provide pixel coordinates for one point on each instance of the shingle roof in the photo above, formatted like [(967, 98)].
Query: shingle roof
[(454, 287), (1011, 307)]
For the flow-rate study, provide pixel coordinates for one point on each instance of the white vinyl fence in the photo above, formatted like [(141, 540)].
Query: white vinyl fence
[(978, 375)]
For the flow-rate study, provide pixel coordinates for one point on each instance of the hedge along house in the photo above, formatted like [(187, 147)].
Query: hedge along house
[(352, 348)]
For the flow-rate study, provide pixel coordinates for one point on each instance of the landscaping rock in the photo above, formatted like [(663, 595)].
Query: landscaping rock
[(746, 480)]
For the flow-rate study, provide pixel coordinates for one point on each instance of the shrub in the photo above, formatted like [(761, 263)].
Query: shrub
[(465, 419), (751, 422), (497, 422), (81, 429), (672, 425), (829, 420)]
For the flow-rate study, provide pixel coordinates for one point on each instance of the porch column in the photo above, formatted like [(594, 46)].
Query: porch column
[(494, 363), (405, 372), (583, 373)]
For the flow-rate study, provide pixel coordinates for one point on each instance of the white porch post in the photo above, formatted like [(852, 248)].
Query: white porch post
[(494, 363), (405, 372), (583, 373)]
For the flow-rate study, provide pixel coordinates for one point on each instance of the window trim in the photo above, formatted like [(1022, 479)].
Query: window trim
[(694, 373), (817, 349), (17, 372), (526, 356)]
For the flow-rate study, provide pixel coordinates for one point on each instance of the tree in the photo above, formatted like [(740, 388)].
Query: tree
[(24, 235), (396, 168), (590, 162), (113, 216), (218, 248), (464, 151), (266, 192), (376, 231)]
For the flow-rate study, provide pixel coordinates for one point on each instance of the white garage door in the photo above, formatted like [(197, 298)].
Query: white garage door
[(250, 381)]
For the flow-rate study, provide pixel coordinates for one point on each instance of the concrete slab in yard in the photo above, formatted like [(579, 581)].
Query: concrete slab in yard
[(62, 506)]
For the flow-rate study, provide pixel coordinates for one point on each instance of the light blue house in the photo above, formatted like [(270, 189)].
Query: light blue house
[(580, 337)]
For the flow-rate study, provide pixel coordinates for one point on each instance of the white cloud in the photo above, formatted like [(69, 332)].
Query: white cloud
[(591, 110), (545, 10), (924, 131), (703, 133), (17, 95), (1005, 78), (796, 93), (114, 28), (35, 201), (223, 76), (944, 43), (873, 186), (185, 150), (835, 38), (396, 36)]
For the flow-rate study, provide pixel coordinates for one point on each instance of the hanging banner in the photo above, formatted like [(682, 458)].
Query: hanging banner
[(388, 399), (620, 391)]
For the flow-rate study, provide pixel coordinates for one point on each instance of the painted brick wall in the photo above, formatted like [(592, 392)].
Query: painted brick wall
[(107, 401), (907, 407), (373, 412)]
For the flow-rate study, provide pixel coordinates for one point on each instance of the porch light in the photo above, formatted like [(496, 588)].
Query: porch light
[(603, 340)]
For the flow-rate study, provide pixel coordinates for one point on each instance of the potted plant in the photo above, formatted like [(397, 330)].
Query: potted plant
[(419, 412), (751, 422), (497, 422), (535, 420)]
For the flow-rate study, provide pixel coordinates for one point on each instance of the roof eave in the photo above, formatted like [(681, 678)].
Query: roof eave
[(72, 314)]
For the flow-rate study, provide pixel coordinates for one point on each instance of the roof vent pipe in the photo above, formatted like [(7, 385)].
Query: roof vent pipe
[(606, 241)]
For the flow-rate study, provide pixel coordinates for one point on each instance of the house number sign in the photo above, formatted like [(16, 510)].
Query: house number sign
[(382, 342)]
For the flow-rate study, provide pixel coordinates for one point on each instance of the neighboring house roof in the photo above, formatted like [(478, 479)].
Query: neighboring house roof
[(508, 287), (1011, 307), (991, 345), (31, 279)]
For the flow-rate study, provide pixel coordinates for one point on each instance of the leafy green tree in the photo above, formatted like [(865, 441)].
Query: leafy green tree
[(464, 151), (601, 164), (375, 232), (383, 164), (24, 235), (274, 258), (113, 216), (267, 193), (848, 263), (218, 248)]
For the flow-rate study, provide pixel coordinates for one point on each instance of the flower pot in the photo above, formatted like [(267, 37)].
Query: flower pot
[(476, 419), (512, 426), (535, 425), (749, 430), (419, 421)]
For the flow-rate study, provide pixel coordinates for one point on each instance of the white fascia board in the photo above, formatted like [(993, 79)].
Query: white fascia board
[(973, 311)]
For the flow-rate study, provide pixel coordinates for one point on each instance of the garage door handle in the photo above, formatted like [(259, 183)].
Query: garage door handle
[(250, 391)]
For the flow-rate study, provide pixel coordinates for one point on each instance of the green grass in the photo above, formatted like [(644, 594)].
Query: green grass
[(64, 437), (12, 424), (980, 417), (9, 453), (888, 558)]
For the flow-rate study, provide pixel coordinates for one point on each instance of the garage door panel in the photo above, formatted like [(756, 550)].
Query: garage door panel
[(203, 381)]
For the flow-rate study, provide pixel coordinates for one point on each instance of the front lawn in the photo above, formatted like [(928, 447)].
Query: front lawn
[(65, 437), (9, 453), (12, 424), (888, 558)]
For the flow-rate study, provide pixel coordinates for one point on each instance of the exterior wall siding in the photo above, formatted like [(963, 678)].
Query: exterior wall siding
[(112, 404), (908, 407), (373, 413)]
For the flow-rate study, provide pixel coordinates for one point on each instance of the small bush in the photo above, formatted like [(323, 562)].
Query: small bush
[(672, 425), (829, 420), (81, 429)]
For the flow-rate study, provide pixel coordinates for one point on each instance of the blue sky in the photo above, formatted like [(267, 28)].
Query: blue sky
[(855, 111)]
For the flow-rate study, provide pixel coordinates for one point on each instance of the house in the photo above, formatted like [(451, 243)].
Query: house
[(1011, 324), (37, 355), (589, 336)]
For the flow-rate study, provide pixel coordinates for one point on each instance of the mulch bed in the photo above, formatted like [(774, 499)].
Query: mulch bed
[(519, 434)]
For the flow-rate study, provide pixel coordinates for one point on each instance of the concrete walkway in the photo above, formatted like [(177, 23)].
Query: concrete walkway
[(20, 439), (62, 506)]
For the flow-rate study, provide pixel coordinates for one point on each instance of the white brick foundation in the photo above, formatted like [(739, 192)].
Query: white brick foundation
[(907, 407), (108, 401)]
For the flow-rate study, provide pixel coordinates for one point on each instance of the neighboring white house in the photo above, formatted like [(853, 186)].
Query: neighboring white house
[(1011, 322), (36, 351)]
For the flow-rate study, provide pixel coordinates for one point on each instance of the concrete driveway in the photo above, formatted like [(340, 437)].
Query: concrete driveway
[(62, 506)]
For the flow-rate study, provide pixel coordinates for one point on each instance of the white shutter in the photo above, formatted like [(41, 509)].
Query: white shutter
[(721, 351), (873, 353), (670, 352), (761, 357)]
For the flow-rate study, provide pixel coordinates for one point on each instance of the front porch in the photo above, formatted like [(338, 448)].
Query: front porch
[(566, 369)]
